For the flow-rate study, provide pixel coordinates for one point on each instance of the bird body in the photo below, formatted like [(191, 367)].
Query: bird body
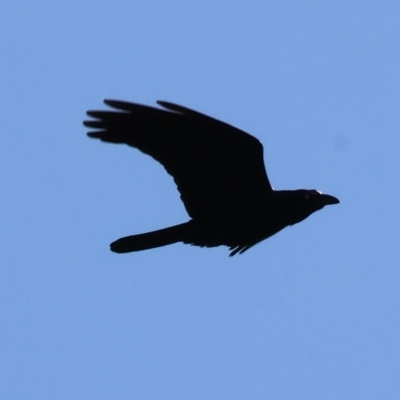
[(219, 171)]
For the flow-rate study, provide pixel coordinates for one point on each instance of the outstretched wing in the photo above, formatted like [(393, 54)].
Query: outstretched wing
[(217, 167)]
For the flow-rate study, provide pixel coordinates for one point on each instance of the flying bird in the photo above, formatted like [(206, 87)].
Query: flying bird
[(218, 169)]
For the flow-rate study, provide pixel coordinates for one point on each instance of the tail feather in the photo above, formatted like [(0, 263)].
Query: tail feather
[(150, 240)]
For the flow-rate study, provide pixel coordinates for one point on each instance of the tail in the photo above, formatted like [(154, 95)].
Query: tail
[(150, 240)]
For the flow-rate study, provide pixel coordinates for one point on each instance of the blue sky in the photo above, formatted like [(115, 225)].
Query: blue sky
[(311, 313)]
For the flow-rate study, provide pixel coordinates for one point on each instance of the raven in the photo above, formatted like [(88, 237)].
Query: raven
[(219, 171)]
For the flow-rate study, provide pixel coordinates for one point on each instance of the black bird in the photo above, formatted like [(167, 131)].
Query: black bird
[(219, 171)]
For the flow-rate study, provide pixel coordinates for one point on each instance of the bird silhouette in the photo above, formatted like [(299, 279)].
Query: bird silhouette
[(218, 169)]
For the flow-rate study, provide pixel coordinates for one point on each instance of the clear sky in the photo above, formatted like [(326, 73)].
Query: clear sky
[(312, 313)]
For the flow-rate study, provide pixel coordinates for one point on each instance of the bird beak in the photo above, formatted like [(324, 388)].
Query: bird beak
[(328, 199)]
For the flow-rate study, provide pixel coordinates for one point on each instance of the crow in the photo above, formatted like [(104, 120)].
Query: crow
[(218, 169)]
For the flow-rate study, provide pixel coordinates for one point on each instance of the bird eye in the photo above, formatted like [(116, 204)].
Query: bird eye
[(307, 196)]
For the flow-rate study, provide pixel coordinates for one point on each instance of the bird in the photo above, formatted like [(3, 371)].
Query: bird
[(218, 169)]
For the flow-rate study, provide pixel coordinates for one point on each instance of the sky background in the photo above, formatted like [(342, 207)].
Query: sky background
[(311, 313)]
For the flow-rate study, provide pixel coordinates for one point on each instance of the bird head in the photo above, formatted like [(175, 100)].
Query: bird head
[(302, 203), (309, 201)]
